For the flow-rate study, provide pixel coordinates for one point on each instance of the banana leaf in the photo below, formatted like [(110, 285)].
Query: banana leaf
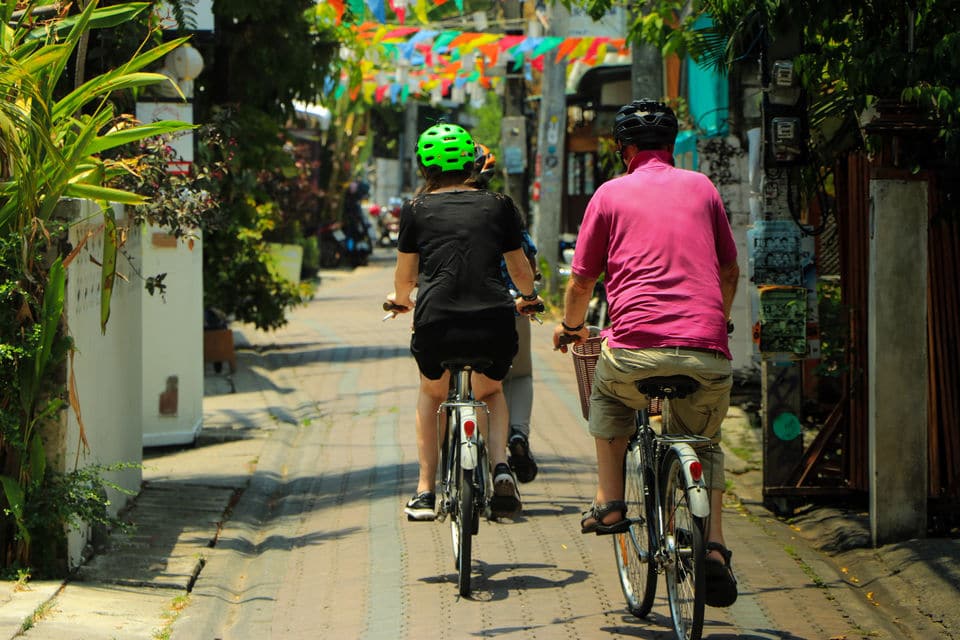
[(15, 499), (38, 459), (104, 18), (108, 270), (94, 192), (50, 315), (133, 134)]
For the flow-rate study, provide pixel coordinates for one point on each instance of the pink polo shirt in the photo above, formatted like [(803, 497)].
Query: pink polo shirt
[(660, 234)]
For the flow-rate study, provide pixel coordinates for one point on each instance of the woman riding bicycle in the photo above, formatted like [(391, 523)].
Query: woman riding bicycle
[(452, 239)]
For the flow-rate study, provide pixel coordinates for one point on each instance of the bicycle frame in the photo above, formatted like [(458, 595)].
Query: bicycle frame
[(654, 447), (463, 469), (463, 450)]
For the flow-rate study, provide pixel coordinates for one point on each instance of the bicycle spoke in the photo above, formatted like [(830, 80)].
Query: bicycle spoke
[(638, 577), (684, 568)]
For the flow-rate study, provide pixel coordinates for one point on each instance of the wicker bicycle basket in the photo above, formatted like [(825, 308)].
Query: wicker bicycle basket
[(585, 358)]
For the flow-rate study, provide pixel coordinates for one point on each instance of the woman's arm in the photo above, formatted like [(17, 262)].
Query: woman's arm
[(518, 266), (405, 278)]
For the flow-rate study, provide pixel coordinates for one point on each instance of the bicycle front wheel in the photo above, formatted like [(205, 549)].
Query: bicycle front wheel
[(686, 583), (633, 549), (462, 527)]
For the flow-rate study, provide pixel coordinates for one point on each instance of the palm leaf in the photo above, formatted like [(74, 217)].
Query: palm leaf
[(115, 139)]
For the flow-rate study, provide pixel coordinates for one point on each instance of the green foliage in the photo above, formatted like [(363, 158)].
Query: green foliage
[(65, 500), (238, 279), (54, 128), (275, 43), (489, 117), (834, 322)]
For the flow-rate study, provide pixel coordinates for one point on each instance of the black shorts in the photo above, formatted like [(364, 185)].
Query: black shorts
[(493, 337)]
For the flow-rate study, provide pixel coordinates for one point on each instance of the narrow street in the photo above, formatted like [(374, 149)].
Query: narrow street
[(318, 547)]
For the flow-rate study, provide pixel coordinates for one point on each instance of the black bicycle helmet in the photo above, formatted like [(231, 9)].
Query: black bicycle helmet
[(645, 123)]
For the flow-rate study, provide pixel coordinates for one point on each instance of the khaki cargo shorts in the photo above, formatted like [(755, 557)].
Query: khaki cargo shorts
[(615, 398)]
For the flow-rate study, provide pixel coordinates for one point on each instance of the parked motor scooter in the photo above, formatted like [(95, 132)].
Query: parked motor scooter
[(333, 245)]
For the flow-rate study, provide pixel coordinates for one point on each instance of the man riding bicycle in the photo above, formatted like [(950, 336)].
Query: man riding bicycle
[(661, 236), (452, 239)]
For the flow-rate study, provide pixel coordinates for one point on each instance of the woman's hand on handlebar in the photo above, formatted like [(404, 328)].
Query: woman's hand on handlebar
[(529, 307), (395, 307), (562, 337)]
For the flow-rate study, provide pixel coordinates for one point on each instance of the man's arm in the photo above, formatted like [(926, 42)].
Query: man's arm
[(575, 301), (729, 278)]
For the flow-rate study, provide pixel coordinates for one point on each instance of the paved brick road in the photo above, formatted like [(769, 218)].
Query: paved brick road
[(357, 569)]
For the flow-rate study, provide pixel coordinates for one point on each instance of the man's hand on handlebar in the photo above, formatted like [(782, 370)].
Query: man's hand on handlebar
[(563, 337)]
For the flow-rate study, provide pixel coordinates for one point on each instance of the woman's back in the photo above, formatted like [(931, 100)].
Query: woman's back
[(460, 236)]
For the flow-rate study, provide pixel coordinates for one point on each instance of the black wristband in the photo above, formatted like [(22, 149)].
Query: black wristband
[(571, 329), (529, 298)]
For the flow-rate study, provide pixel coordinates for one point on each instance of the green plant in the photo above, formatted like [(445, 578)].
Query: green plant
[(65, 500), (54, 129), (238, 276)]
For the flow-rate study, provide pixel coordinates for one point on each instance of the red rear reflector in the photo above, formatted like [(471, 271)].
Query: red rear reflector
[(696, 471), (469, 426)]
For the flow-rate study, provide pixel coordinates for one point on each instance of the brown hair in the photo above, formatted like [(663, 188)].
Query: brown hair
[(435, 179)]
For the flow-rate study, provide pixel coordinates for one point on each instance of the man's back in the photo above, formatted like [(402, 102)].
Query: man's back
[(660, 234)]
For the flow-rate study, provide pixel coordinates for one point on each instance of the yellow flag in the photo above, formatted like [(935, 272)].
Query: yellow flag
[(420, 8)]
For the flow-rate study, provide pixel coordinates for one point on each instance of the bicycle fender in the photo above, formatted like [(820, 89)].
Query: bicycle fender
[(698, 494), (468, 444)]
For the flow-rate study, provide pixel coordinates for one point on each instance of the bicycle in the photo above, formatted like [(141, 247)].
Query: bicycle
[(464, 474), (464, 481), (667, 500)]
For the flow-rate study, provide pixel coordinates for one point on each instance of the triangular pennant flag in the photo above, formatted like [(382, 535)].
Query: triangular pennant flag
[(420, 9), (338, 9), (379, 10), (356, 8), (546, 44), (566, 47), (399, 7), (441, 44)]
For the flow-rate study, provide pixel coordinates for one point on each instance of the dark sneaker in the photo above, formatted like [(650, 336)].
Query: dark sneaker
[(506, 499), (422, 506), (521, 460)]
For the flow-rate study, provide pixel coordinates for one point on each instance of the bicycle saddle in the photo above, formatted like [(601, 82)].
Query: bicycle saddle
[(667, 386), (474, 364)]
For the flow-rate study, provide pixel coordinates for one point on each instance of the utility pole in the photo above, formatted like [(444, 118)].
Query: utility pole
[(513, 138), (551, 143), (785, 281)]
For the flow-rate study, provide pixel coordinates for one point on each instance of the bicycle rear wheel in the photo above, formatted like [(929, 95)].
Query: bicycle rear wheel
[(462, 528), (686, 583), (633, 549)]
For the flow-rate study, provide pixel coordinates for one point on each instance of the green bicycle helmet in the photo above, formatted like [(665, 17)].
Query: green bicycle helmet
[(447, 146)]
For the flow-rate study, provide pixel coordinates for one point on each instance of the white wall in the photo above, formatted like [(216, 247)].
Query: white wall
[(121, 374), (171, 338), (106, 367)]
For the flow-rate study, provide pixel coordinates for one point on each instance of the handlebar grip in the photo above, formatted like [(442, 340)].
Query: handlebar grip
[(391, 306), (537, 308), (566, 338)]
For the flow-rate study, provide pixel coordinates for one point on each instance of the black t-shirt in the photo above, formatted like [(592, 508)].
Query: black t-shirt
[(460, 237)]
